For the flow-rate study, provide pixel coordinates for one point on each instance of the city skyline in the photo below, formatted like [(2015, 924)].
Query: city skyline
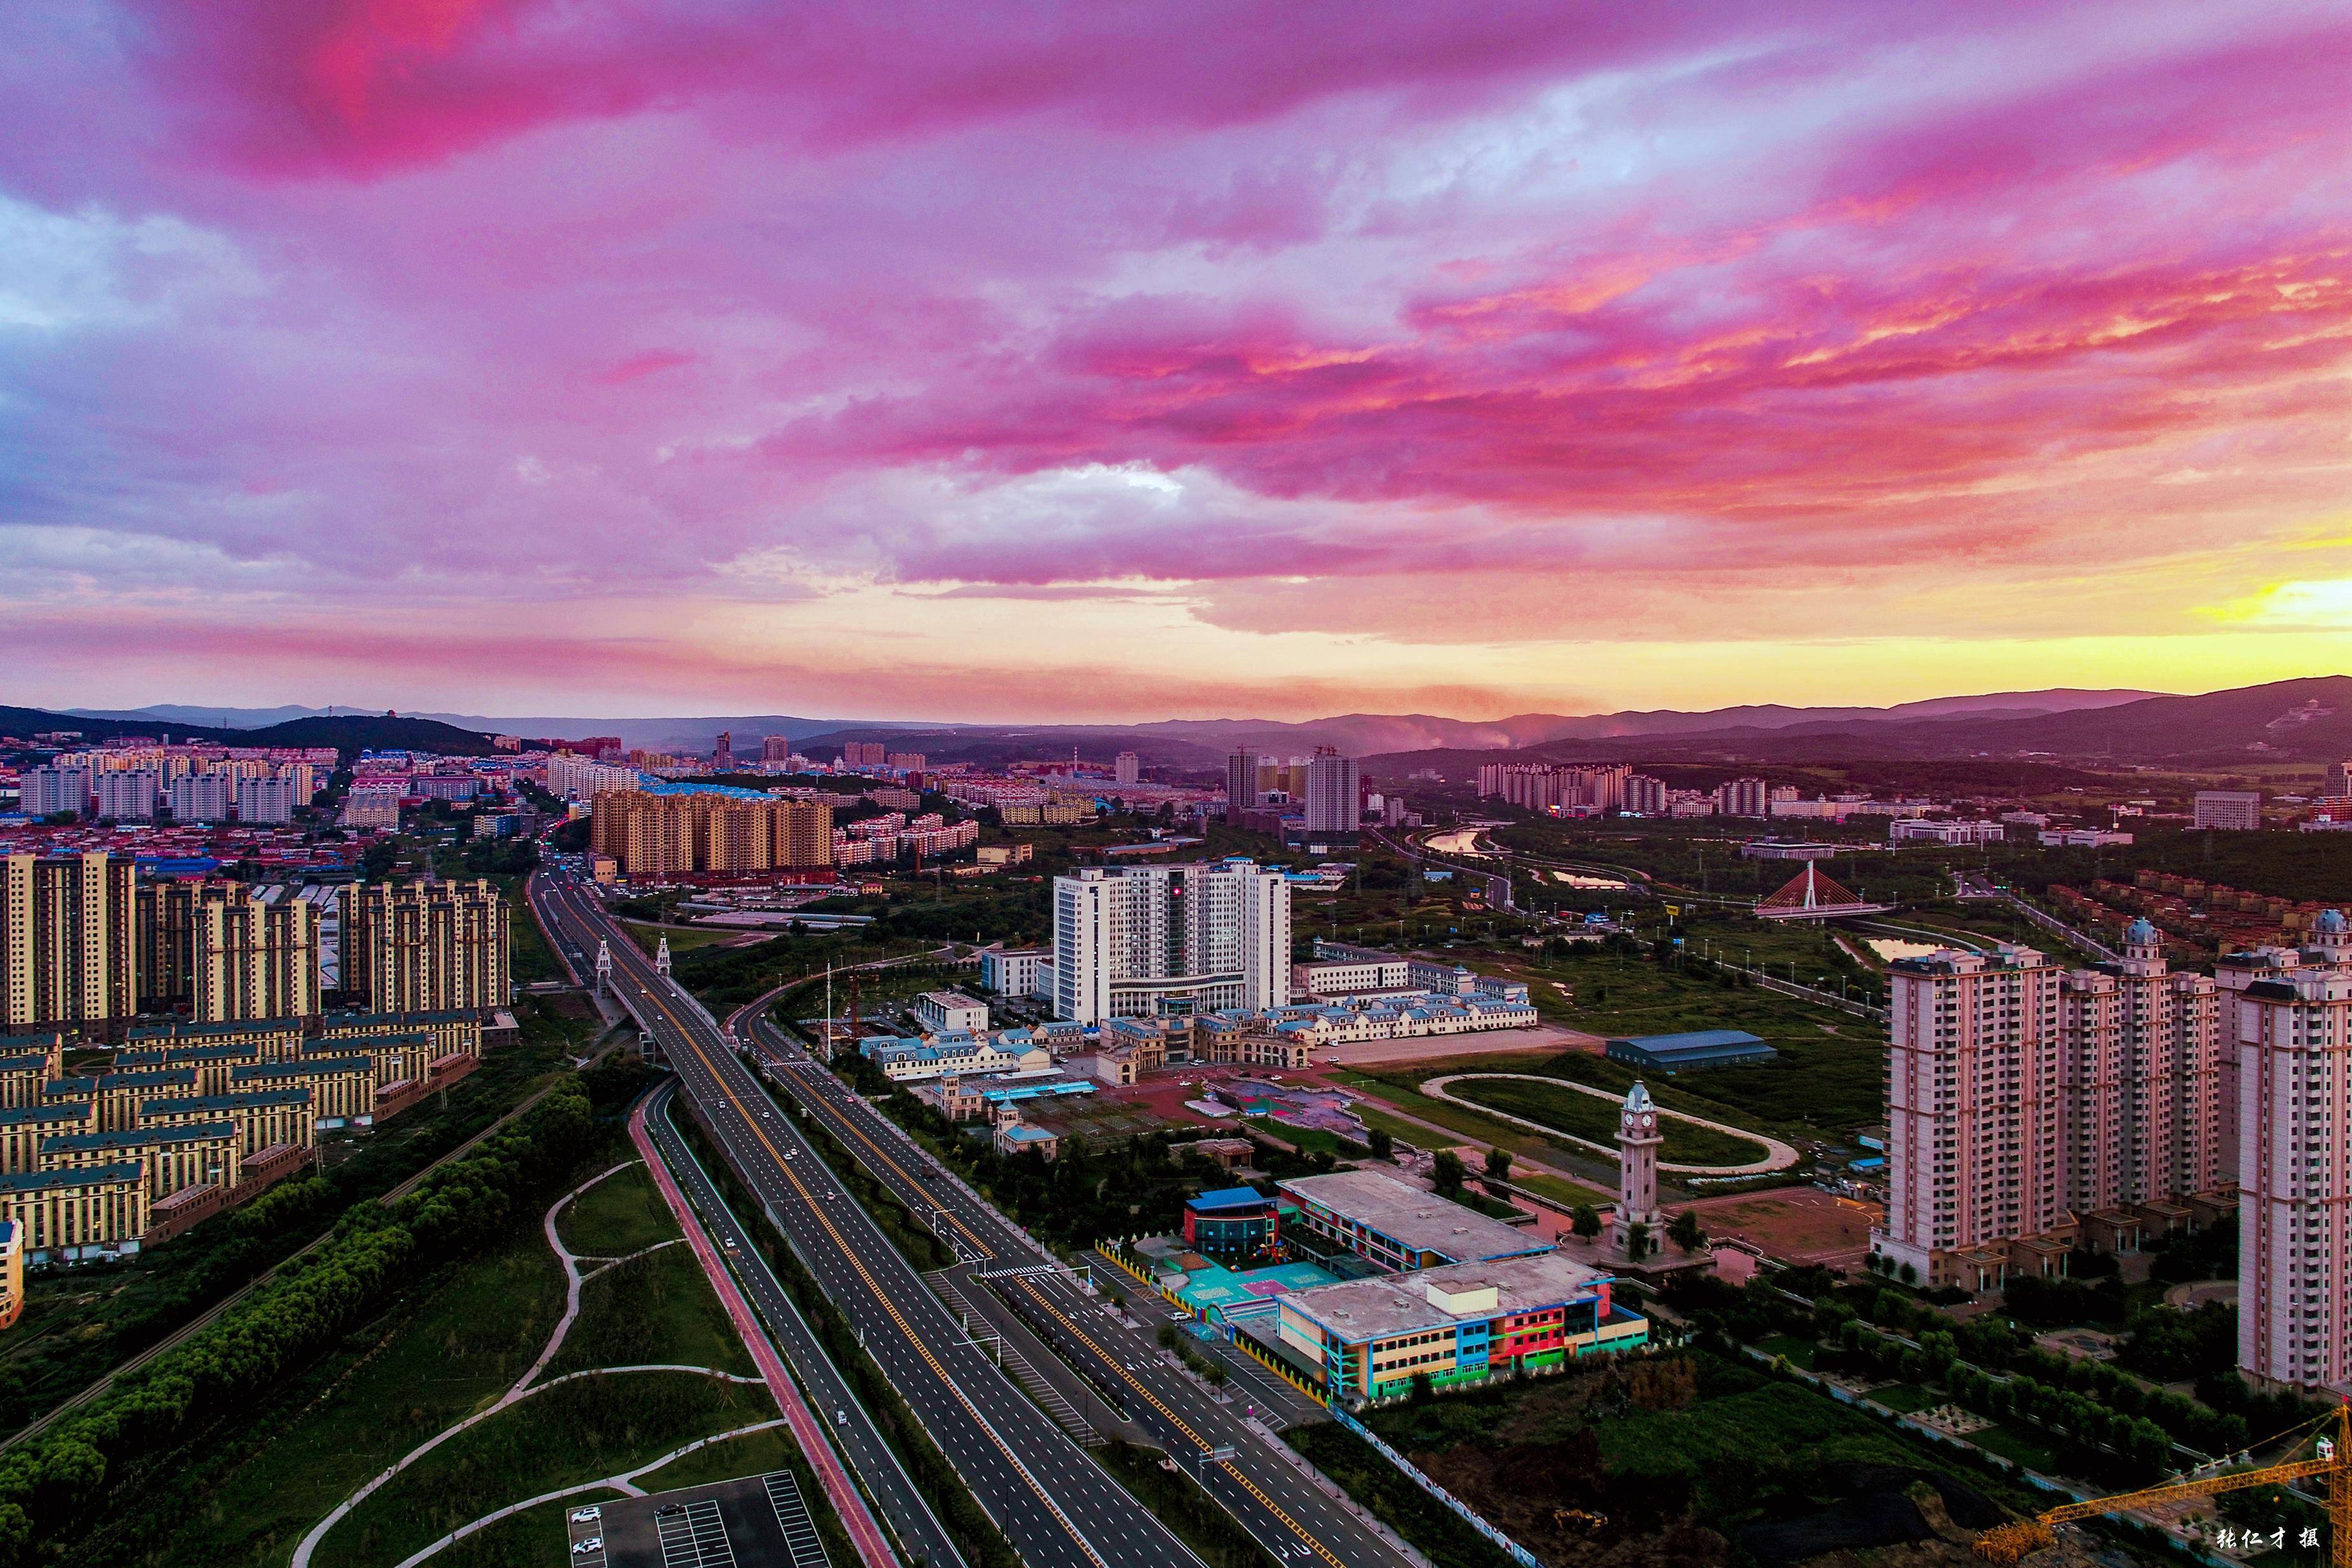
[(1100, 366)]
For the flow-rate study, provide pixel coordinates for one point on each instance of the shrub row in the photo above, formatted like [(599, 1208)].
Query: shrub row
[(54, 1487)]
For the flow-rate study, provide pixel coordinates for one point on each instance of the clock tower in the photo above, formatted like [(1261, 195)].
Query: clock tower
[(1637, 1173)]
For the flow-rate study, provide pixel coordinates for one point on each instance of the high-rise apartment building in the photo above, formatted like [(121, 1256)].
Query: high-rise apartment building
[(775, 748), (1334, 793), (582, 778), (2292, 1041), (712, 832), (1567, 787), (1645, 796), (424, 947), (127, 795), (45, 791), (68, 929), (863, 754), (1128, 768), (1241, 784), (2234, 810), (252, 959), (906, 762), (2026, 1102), (1743, 798), (204, 797), (1140, 941), (267, 802)]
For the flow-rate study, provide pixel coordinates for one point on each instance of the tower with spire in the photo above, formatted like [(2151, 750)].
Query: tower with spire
[(1638, 1141)]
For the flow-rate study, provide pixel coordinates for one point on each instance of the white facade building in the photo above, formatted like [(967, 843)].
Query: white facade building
[(1130, 940), (952, 1012), (2293, 1036), (1743, 798), (127, 795), (204, 797), (1017, 971), (267, 802), (45, 791), (580, 778), (2235, 810)]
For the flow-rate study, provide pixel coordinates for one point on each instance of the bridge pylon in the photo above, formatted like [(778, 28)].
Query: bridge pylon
[(661, 958), (604, 966)]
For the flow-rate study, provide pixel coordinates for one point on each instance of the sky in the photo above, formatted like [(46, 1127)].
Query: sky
[(1095, 362)]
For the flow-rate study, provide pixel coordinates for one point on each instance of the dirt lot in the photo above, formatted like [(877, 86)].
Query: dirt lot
[(1544, 1039), (1796, 1225)]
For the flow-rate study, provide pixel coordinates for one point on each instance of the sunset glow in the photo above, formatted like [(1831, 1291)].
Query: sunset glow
[(1109, 362)]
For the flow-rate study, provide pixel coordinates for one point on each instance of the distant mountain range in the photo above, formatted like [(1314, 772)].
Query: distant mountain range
[(2288, 720)]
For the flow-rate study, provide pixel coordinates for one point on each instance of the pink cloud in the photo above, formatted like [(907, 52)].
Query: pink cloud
[(738, 302)]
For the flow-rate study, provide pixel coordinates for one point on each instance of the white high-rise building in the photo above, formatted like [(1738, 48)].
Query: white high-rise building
[(1134, 941), (45, 791), (2028, 1104), (204, 797), (1743, 798), (127, 795), (2293, 1038), (1128, 768), (1334, 793), (265, 802)]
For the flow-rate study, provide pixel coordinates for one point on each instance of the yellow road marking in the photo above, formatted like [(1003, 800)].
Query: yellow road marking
[(858, 1263)]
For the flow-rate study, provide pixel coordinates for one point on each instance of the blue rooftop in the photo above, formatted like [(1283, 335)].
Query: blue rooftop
[(1690, 1040), (653, 786), (1227, 1198)]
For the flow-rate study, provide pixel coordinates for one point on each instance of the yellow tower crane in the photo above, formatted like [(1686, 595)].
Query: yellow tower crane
[(2009, 1544)]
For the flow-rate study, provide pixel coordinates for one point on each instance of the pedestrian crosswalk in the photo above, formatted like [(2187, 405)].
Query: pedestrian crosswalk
[(1044, 1394), (792, 1518)]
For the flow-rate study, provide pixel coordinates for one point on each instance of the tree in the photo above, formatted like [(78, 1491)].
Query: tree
[(1498, 1164), (1585, 1221), (1687, 1232), (1423, 1389), (1637, 1241), (1381, 1143), (1447, 1172)]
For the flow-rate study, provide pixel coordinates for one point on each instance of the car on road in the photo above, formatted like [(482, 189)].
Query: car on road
[(841, 1417), (586, 1515)]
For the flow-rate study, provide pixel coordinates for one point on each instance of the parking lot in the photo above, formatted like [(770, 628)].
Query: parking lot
[(760, 1521)]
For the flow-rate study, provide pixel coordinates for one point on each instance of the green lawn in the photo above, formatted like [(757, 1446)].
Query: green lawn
[(1469, 1125), (1906, 1398), (1585, 1116), (535, 1537), (575, 1432), (618, 1216), (655, 1309), (682, 939), (401, 1380), (1795, 1351), (1560, 1190)]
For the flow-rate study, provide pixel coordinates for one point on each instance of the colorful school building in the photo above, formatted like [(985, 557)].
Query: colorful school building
[(1362, 1340)]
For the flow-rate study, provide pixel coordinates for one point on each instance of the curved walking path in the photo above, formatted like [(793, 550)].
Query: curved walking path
[(525, 1386), (625, 1483), (1778, 1156)]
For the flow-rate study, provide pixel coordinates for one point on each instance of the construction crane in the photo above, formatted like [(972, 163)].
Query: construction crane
[(2009, 1544)]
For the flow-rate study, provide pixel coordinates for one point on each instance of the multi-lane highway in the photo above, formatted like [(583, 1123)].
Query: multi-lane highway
[(1291, 1516), (1056, 1506)]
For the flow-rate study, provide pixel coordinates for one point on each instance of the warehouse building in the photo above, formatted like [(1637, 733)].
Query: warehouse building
[(1690, 1050)]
